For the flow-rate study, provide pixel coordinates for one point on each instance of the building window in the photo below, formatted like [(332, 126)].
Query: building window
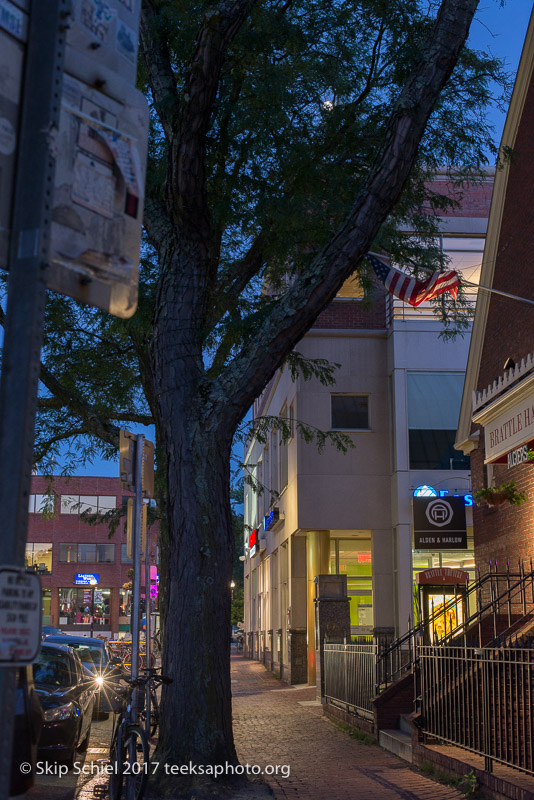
[(282, 453), (352, 288), (125, 558), (40, 502), (350, 412), (39, 557), (68, 553), (434, 400), (87, 553), (291, 420), (105, 553), (77, 605), (92, 504)]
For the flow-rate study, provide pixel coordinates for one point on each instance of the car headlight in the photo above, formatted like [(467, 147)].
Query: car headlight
[(59, 712)]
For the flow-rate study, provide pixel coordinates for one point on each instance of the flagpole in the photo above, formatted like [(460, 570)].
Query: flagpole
[(497, 291)]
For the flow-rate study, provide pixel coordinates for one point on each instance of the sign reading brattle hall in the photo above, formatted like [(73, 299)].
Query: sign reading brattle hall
[(439, 523), (509, 430)]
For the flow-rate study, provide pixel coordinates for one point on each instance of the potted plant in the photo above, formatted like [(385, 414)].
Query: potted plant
[(497, 495)]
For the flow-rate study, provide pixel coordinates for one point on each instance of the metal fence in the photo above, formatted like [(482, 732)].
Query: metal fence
[(350, 676), (480, 699)]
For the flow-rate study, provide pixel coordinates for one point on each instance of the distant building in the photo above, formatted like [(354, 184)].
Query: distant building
[(84, 571), (397, 395)]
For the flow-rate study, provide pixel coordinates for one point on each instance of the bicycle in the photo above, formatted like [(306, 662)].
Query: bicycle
[(153, 684), (129, 753)]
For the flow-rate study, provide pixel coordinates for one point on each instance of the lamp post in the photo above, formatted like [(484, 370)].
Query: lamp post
[(232, 587)]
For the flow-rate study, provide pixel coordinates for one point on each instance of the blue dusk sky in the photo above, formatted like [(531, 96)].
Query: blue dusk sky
[(500, 28)]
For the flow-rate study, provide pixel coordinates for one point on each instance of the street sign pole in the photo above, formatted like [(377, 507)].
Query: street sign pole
[(147, 627), (40, 105), (136, 547)]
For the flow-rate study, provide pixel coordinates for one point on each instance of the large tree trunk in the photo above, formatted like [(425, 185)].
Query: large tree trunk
[(197, 628), (198, 552)]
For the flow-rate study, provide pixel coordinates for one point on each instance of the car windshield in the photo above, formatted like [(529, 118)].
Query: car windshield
[(92, 656), (53, 669)]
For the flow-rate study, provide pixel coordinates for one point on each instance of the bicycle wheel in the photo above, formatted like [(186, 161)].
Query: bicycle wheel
[(136, 761), (116, 760)]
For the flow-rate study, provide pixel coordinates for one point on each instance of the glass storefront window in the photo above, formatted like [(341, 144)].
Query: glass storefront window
[(454, 559), (353, 558), (77, 604), (39, 556)]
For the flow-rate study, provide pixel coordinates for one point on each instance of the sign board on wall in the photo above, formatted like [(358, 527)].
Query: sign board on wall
[(509, 430), (439, 523), (86, 579), (20, 616)]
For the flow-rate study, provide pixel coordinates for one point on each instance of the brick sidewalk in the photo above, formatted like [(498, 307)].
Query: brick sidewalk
[(275, 724)]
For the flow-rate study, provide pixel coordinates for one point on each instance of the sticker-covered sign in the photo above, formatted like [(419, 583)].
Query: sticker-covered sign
[(98, 196), (20, 617)]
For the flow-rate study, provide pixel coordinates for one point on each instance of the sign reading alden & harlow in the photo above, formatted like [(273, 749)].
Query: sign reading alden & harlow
[(439, 523)]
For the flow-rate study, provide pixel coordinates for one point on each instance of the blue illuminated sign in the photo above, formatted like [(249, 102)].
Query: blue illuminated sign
[(429, 491), (270, 519), (86, 579)]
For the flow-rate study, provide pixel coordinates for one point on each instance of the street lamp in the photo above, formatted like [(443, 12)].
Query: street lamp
[(232, 587)]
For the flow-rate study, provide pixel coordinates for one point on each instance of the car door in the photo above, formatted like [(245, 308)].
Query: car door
[(86, 694)]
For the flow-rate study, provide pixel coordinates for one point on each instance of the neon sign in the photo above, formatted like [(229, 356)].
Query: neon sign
[(86, 579), (271, 519), (429, 491), (253, 542)]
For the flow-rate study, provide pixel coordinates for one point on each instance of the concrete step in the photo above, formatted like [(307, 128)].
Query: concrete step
[(396, 742), (404, 725)]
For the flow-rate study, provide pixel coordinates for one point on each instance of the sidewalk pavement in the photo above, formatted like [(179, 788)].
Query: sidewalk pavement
[(275, 724)]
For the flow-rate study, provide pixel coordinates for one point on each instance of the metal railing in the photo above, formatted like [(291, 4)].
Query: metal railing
[(480, 699), (503, 600), (350, 676)]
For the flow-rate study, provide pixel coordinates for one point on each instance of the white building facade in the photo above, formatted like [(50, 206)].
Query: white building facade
[(397, 396)]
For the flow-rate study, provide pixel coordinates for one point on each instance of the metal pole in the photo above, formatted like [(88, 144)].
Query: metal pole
[(136, 553), (148, 627), (41, 97)]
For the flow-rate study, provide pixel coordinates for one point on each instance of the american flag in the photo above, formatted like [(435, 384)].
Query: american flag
[(409, 289)]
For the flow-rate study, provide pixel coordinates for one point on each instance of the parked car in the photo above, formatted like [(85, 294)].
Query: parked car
[(27, 729), (49, 630), (67, 695), (94, 655)]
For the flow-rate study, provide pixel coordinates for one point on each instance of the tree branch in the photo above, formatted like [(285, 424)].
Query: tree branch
[(93, 422), (236, 278), (187, 152), (159, 69)]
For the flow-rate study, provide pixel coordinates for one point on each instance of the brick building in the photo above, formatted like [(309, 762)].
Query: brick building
[(497, 416), (84, 570)]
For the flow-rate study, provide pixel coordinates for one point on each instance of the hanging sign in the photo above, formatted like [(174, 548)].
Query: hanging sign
[(439, 523)]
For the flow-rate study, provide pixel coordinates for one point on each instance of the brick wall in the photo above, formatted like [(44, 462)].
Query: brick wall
[(354, 314), (506, 533)]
